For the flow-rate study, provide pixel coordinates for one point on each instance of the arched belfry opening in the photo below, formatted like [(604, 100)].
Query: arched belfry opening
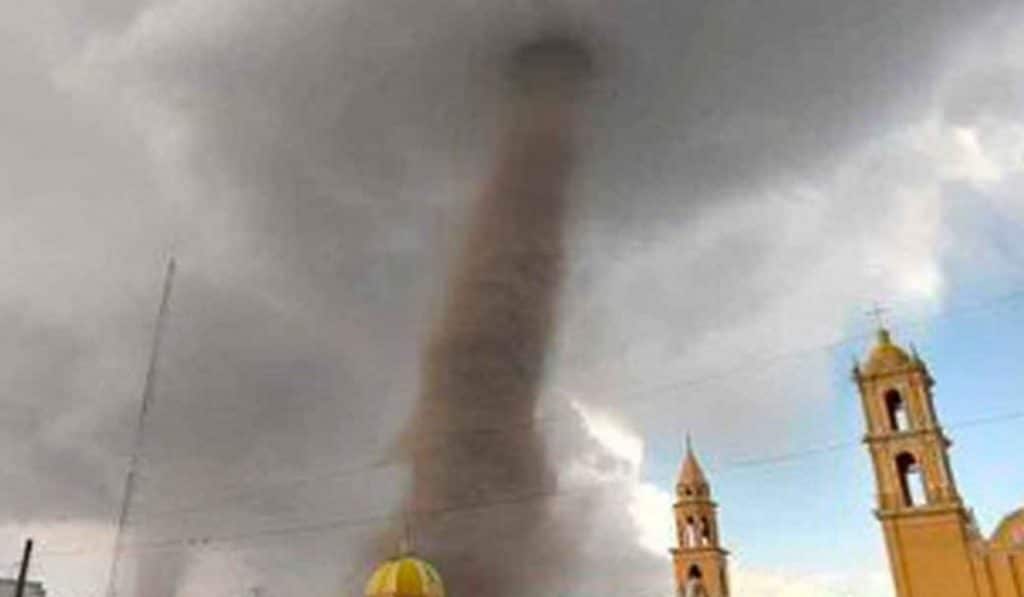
[(896, 408), (911, 480), (694, 572), (690, 533)]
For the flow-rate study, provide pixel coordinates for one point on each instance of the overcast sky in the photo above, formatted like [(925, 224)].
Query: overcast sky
[(755, 177)]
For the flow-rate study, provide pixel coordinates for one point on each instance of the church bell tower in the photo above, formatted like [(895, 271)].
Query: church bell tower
[(700, 561), (928, 532)]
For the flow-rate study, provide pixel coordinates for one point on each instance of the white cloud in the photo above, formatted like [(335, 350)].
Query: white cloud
[(650, 507), (767, 583), (612, 436)]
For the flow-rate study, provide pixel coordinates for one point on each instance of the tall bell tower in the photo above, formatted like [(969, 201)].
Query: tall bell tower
[(928, 532), (700, 561)]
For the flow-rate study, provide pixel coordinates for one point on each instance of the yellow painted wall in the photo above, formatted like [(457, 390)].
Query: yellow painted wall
[(712, 564), (930, 557), (1007, 573)]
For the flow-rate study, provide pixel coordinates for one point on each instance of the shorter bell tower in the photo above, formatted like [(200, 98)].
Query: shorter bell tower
[(700, 561)]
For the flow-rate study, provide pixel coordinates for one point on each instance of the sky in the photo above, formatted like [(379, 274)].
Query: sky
[(754, 179)]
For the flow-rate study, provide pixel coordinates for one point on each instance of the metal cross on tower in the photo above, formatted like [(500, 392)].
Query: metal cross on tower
[(877, 312)]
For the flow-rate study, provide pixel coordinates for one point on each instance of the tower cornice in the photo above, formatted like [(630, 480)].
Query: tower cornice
[(695, 501), (908, 369), (699, 551), (895, 436), (925, 511)]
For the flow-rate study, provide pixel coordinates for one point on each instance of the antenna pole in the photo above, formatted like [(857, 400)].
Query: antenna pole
[(140, 425), (19, 590), (405, 545)]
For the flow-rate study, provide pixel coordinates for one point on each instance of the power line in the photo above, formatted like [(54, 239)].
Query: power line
[(513, 427), (439, 513), (340, 523), (844, 445), (330, 475), (748, 366), (757, 364)]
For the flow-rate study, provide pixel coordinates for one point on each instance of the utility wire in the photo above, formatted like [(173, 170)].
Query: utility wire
[(438, 514), (633, 398), (845, 445), (748, 366)]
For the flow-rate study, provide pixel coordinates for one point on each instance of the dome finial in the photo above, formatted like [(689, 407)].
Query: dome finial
[(886, 356), (877, 312), (405, 546)]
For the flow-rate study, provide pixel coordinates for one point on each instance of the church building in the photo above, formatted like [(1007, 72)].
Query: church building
[(699, 561), (934, 545)]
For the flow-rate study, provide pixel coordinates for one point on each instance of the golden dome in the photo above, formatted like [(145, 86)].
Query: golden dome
[(405, 576), (1010, 532), (886, 356)]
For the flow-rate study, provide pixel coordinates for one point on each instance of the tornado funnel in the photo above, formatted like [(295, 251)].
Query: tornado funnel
[(470, 440)]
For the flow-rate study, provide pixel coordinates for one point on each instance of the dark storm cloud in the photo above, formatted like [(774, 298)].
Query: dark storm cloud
[(38, 382), (319, 123), (310, 108), (993, 92)]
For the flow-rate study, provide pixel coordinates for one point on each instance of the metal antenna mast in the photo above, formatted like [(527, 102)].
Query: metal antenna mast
[(19, 589), (147, 399)]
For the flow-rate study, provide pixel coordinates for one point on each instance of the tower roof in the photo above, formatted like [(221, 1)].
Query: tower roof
[(886, 356), (691, 475)]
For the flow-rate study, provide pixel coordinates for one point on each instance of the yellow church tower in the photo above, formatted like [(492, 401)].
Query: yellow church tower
[(700, 561), (935, 548)]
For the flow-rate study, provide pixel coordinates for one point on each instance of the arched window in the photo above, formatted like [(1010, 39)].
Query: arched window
[(897, 410), (911, 480), (694, 583), (705, 532)]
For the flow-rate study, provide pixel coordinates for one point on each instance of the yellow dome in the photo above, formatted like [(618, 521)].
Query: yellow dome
[(1010, 532), (406, 576), (886, 356)]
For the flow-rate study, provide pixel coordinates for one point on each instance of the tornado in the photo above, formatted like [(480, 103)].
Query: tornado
[(471, 441)]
